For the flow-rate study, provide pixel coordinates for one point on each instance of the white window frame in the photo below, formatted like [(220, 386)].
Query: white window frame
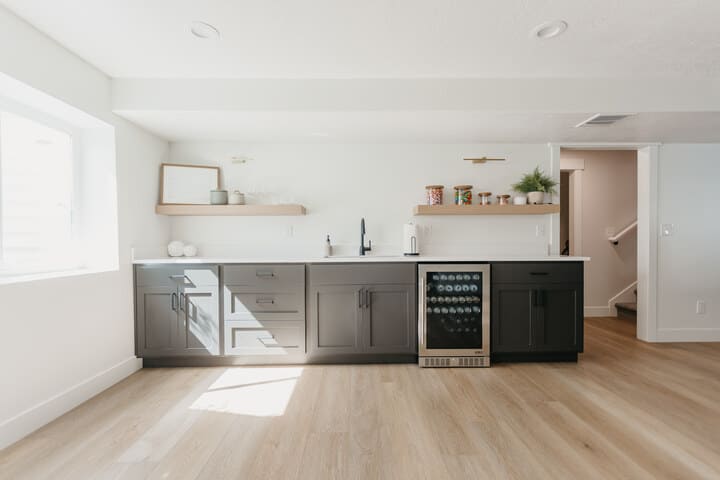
[(15, 108)]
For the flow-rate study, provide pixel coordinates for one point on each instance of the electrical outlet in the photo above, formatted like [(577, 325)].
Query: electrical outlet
[(700, 307), (539, 230), (289, 231), (668, 229)]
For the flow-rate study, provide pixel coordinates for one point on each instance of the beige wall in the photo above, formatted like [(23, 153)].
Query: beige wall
[(609, 202)]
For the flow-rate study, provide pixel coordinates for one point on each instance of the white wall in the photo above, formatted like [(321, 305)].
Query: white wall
[(689, 260), (339, 184), (609, 201), (66, 339)]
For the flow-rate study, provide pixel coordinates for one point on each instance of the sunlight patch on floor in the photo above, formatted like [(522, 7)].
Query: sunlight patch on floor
[(260, 391)]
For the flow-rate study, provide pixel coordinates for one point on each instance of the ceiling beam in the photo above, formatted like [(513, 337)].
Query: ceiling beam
[(563, 95)]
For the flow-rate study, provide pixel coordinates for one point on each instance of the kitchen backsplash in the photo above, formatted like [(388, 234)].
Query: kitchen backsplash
[(340, 183)]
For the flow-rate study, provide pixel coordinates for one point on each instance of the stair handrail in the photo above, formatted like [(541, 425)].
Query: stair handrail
[(615, 239), (613, 300)]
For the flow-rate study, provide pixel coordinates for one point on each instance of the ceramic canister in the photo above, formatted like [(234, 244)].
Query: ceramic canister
[(218, 197), (237, 198)]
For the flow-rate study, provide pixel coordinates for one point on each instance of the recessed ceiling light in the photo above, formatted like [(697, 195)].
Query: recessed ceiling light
[(204, 30), (550, 29)]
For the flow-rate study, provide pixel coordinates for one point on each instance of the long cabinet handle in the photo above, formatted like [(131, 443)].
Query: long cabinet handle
[(361, 292), (182, 302), (173, 301), (264, 273), (265, 301), (539, 273), (422, 313), (367, 298)]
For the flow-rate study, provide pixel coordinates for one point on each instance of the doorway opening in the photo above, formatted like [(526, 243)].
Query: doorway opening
[(599, 219)]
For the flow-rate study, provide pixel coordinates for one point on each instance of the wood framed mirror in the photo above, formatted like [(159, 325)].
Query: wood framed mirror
[(187, 184)]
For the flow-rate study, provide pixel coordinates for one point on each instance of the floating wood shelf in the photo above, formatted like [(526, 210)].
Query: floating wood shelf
[(486, 209), (230, 210)]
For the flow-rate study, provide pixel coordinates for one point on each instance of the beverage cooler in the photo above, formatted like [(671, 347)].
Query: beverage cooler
[(454, 315)]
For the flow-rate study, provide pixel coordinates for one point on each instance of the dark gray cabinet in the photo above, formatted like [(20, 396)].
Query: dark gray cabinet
[(537, 311), (389, 320), (174, 315), (264, 311), (336, 319), (352, 314), (511, 318), (559, 316)]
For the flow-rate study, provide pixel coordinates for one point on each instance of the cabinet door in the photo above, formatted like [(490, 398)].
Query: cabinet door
[(157, 321), (559, 318), (199, 323), (511, 318), (389, 319), (335, 319)]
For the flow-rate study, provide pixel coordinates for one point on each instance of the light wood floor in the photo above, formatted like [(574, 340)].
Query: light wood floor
[(626, 410)]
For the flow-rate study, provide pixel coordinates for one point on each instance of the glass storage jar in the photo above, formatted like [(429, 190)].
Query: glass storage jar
[(463, 194), (434, 194), (485, 198)]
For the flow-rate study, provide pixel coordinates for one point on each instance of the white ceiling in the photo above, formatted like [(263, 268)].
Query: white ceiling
[(384, 38), (422, 127)]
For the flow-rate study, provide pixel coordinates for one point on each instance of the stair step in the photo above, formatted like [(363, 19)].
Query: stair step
[(631, 306)]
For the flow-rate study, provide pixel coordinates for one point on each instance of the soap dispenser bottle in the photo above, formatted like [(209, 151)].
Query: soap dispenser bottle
[(327, 249)]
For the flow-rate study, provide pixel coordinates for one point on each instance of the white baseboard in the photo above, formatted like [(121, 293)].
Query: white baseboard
[(28, 421), (688, 335), (598, 312)]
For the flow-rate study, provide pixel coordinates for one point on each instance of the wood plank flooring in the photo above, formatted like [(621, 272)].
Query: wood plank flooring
[(627, 410)]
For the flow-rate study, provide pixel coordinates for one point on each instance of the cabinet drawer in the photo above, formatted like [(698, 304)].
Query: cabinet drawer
[(537, 272), (244, 305), (281, 338), (172, 275), (353, 274), (266, 277)]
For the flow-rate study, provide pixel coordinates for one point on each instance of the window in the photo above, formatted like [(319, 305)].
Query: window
[(36, 197), (58, 188)]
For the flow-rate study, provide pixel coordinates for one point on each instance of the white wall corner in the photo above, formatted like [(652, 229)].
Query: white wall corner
[(26, 422), (647, 234)]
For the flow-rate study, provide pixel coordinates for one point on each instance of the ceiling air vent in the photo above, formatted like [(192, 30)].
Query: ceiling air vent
[(603, 119)]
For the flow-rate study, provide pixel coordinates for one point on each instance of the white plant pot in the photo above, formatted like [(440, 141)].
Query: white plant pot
[(536, 198)]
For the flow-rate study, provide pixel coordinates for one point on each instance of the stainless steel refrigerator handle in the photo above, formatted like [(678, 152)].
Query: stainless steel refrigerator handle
[(173, 301), (422, 311)]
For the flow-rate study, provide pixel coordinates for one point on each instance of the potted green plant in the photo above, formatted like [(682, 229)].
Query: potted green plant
[(535, 185)]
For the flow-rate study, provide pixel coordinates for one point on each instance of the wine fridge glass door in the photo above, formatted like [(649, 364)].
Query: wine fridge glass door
[(454, 304)]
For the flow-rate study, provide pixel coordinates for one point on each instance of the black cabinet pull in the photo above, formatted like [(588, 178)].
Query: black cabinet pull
[(539, 273)]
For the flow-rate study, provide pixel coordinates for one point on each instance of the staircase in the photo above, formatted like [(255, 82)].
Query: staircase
[(627, 310)]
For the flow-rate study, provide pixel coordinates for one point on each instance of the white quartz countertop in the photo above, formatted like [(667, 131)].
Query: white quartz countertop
[(358, 259)]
